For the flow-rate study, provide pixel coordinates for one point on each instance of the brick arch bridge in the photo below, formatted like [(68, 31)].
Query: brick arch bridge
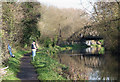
[(86, 33)]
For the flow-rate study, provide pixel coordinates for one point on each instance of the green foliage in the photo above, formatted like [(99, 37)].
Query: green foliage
[(19, 25), (47, 42), (79, 46), (25, 46), (101, 41), (55, 39), (74, 46), (96, 45), (30, 30), (102, 50)]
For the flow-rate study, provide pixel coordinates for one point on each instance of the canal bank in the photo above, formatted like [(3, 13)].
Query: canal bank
[(46, 65)]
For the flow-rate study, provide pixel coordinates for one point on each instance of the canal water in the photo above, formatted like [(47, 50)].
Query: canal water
[(89, 64)]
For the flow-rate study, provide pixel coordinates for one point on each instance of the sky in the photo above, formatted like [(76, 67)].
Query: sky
[(70, 4)]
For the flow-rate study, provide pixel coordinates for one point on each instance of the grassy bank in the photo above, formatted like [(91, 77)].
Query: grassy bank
[(13, 66), (75, 46), (47, 67)]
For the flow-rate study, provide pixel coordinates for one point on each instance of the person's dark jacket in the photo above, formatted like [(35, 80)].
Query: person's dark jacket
[(32, 47)]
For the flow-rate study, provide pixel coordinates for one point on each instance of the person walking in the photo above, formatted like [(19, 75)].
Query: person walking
[(33, 49)]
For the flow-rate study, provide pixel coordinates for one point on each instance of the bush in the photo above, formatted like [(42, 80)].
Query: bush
[(47, 42)]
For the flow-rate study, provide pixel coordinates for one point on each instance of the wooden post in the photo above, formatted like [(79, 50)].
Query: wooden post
[(59, 35)]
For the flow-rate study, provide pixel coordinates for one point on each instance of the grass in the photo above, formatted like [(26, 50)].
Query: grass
[(14, 64), (47, 67), (75, 46)]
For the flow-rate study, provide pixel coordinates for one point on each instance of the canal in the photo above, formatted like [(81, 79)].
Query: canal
[(89, 64)]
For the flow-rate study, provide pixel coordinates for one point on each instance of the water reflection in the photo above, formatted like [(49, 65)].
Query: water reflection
[(92, 50), (83, 65), (95, 46)]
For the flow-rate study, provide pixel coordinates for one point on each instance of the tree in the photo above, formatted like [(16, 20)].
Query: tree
[(32, 16), (55, 21)]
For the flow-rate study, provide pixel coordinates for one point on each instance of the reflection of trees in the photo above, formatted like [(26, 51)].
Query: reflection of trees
[(109, 67), (77, 70), (89, 61), (81, 64)]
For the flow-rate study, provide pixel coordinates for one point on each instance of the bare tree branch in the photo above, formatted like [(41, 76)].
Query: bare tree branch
[(117, 2)]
